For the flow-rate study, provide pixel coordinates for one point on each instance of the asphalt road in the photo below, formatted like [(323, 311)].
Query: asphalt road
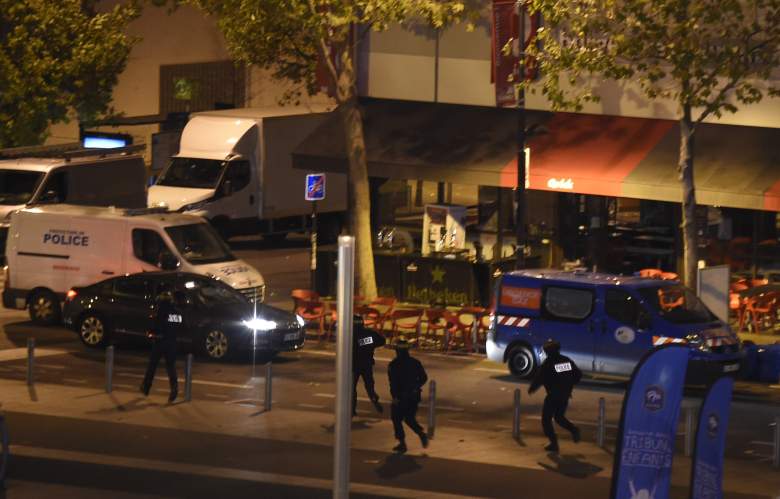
[(472, 393)]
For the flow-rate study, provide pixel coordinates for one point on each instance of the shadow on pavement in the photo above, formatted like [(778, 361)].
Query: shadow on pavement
[(396, 465), (33, 393), (571, 465), (357, 424)]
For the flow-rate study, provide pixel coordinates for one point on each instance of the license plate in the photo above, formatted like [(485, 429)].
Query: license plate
[(290, 336), (730, 368)]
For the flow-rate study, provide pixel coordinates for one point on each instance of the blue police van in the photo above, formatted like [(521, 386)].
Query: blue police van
[(605, 323)]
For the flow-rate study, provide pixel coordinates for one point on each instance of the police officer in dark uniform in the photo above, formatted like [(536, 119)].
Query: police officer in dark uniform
[(407, 377), (168, 323), (365, 340), (558, 374)]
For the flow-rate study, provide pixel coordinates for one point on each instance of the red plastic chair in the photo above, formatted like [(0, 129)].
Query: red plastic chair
[(651, 273), (462, 325), (308, 305), (377, 313), (437, 319), (669, 276), (761, 311), (406, 320)]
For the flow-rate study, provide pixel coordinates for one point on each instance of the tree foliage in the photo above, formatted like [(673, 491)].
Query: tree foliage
[(707, 56), (293, 37), (57, 56)]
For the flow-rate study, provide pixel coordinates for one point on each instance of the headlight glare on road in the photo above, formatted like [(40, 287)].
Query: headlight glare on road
[(258, 324), (300, 320)]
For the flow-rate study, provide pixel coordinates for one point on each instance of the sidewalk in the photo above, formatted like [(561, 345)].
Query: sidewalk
[(81, 429)]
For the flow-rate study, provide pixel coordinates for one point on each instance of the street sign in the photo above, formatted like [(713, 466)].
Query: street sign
[(315, 187)]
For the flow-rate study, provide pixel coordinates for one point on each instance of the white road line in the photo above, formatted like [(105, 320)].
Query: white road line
[(776, 387), (364, 399), (491, 370), (122, 385), (446, 408), (325, 395), (73, 380), (49, 366), (220, 473), (312, 406)]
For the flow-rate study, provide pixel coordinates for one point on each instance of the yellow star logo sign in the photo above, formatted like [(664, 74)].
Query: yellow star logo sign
[(438, 275)]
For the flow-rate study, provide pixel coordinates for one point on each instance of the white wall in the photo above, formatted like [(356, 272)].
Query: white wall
[(402, 65)]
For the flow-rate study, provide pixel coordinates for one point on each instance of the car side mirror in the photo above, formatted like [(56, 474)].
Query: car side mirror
[(227, 188), (168, 262), (49, 196)]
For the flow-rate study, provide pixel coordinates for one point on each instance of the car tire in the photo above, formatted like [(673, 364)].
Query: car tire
[(44, 308), (93, 331), (521, 362), (217, 345)]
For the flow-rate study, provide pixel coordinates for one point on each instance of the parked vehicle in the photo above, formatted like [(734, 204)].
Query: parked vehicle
[(220, 322), (234, 168), (52, 249), (605, 323), (49, 175)]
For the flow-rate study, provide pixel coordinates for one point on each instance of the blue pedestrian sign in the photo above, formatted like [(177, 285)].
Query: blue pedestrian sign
[(315, 187)]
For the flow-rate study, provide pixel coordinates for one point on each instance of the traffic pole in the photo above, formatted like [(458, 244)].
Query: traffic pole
[(431, 409), (516, 416), (776, 446), (188, 378), (268, 386), (109, 368), (601, 429), (30, 361), (345, 286), (313, 238)]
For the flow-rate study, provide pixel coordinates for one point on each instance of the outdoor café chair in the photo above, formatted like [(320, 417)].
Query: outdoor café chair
[(406, 320), (310, 307), (437, 319)]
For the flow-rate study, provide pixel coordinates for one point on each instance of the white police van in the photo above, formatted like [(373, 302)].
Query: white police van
[(54, 248)]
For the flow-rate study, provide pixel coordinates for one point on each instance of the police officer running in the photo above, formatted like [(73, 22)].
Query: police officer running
[(407, 377), (365, 340), (168, 322), (558, 374)]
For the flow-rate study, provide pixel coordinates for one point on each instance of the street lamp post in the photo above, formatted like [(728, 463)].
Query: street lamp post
[(520, 189)]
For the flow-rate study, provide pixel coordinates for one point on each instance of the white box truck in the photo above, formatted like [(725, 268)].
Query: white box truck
[(54, 248), (234, 168)]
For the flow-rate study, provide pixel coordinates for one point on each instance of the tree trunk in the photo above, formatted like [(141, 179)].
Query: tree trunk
[(685, 169), (359, 202)]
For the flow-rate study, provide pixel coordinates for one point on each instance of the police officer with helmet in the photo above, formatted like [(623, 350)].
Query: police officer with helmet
[(365, 341), (407, 377), (168, 324), (558, 374)]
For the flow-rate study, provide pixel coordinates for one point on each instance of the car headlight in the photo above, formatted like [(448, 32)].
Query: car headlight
[(300, 320), (697, 342), (258, 324)]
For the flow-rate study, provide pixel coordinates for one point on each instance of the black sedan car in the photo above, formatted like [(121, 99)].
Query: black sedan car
[(221, 323)]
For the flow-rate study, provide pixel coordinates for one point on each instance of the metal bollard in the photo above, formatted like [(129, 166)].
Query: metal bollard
[(689, 431), (431, 408), (516, 416), (776, 446), (268, 385), (188, 378), (601, 429), (30, 361), (109, 368), (474, 336), (5, 451)]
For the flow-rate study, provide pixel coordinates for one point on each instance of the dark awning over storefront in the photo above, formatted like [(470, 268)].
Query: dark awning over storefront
[(735, 166)]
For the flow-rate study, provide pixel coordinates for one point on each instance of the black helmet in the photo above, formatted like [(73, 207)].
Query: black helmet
[(357, 321), (551, 346)]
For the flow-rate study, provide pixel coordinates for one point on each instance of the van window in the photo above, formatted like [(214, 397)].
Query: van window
[(17, 186), (132, 288), (238, 173), (192, 172), (621, 306), (568, 303), (148, 246), (56, 188)]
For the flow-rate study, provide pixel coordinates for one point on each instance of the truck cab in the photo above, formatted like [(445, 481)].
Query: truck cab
[(605, 323)]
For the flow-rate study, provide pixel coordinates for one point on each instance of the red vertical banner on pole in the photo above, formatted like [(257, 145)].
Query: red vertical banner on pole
[(503, 64)]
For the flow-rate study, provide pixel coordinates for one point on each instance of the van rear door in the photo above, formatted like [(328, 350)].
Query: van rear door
[(568, 316), (100, 252)]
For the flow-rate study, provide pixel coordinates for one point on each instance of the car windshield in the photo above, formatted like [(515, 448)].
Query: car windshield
[(210, 293), (199, 244), (192, 172), (17, 186), (677, 304)]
